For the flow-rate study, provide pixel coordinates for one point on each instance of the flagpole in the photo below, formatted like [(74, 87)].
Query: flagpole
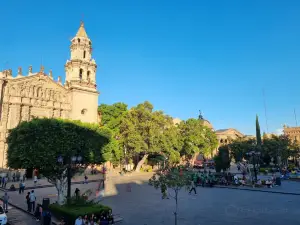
[(265, 106), (295, 117)]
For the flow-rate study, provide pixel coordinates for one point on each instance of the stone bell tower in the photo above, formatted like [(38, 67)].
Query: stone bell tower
[(81, 78)]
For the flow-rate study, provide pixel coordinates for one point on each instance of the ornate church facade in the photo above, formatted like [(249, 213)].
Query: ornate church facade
[(24, 97)]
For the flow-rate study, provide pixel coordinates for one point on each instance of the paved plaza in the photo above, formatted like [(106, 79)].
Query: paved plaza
[(143, 205)]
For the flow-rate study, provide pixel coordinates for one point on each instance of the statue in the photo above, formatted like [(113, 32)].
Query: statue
[(50, 74), (200, 117), (20, 71), (30, 69), (42, 69)]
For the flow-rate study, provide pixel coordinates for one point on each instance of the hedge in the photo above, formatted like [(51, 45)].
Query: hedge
[(71, 212)]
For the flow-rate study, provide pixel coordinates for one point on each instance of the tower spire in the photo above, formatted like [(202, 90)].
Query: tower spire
[(81, 31)]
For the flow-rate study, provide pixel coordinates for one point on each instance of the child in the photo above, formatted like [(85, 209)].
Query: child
[(38, 212)]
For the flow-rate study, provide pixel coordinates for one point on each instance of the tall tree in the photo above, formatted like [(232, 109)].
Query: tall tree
[(40, 142), (222, 159), (258, 135), (196, 139), (142, 131), (111, 117), (239, 147), (174, 178)]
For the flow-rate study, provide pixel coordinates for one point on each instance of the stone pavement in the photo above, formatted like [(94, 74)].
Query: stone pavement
[(214, 206), (29, 184), (17, 217), (19, 200)]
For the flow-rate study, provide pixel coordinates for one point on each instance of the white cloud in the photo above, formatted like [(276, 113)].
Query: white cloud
[(279, 131)]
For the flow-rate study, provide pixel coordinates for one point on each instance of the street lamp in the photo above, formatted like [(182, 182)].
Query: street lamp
[(254, 156), (71, 161)]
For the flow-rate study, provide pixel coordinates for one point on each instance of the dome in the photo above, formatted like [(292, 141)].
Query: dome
[(207, 124)]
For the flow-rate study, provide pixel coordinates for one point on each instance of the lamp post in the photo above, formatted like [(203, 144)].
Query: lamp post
[(254, 156), (70, 161)]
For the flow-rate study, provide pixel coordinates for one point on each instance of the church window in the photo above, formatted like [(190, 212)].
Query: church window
[(80, 74), (88, 75), (84, 53)]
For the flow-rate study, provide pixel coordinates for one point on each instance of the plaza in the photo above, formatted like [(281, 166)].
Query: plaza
[(143, 205)]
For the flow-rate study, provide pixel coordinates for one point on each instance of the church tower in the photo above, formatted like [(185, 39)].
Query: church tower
[(81, 78)]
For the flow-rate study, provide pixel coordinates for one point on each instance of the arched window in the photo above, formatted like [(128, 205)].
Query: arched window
[(84, 54), (88, 76), (78, 40), (80, 74)]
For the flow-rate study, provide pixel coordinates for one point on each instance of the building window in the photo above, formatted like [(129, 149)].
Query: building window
[(80, 74), (84, 54), (88, 76), (78, 40), (83, 111)]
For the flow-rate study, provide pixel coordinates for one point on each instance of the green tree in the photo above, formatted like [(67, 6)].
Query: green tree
[(142, 132), (39, 142), (222, 159), (174, 178), (196, 139), (111, 118), (112, 115), (258, 135), (280, 148), (240, 146)]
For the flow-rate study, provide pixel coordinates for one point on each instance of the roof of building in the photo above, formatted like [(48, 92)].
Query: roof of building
[(222, 131), (81, 31)]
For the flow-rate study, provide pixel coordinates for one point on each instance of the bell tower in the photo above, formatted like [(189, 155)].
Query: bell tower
[(81, 68), (81, 78)]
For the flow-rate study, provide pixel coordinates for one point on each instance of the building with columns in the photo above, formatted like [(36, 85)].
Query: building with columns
[(37, 95), (292, 132)]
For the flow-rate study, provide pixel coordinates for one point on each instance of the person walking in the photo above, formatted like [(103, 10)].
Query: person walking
[(38, 212), (35, 179), (5, 201), (5, 181), (32, 200), (28, 202), (23, 187), (20, 187), (85, 179), (2, 181), (193, 187)]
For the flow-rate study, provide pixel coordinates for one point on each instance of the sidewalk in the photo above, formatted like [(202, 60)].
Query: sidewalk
[(42, 183), (287, 188)]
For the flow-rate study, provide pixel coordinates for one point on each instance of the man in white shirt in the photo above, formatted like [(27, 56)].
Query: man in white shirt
[(78, 221), (32, 200)]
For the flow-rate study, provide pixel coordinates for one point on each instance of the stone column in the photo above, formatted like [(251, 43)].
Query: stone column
[(25, 114), (14, 116)]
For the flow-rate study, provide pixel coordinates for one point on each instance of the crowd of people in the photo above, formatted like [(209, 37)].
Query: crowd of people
[(104, 219)]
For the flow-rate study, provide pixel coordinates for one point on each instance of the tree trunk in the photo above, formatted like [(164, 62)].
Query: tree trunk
[(175, 213), (141, 162), (61, 191)]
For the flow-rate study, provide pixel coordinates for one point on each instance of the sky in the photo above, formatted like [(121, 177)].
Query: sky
[(216, 56)]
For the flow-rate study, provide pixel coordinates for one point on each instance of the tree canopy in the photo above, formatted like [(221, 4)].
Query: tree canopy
[(196, 138), (39, 142), (111, 118)]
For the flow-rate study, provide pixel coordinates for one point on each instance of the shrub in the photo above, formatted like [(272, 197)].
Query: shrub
[(71, 212)]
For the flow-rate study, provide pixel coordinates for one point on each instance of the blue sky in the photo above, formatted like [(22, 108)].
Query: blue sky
[(182, 56)]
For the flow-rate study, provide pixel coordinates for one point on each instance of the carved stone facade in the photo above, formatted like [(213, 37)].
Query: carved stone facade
[(293, 133), (37, 95), (226, 135)]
